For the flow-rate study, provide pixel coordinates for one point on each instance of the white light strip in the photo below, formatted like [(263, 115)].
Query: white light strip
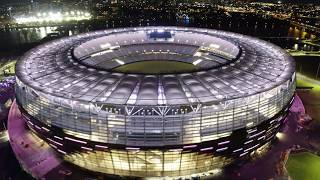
[(206, 149), (237, 150), (55, 142), (248, 142), (99, 146), (132, 148), (58, 138), (45, 129), (119, 61), (252, 136), (251, 131), (243, 154), (197, 62), (221, 149), (83, 142), (246, 150), (190, 146), (86, 148), (30, 123), (292, 100), (225, 142), (262, 137), (62, 151), (101, 53), (272, 121), (53, 146)]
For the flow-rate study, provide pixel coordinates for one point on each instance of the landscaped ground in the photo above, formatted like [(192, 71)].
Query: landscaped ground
[(7, 68), (156, 67), (310, 98), (304, 81), (304, 166)]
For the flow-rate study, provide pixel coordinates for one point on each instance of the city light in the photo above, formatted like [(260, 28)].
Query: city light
[(53, 17)]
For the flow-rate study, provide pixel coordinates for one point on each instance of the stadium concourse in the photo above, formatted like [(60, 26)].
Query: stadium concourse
[(230, 99)]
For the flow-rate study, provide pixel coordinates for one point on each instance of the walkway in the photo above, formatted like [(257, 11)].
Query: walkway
[(34, 155)]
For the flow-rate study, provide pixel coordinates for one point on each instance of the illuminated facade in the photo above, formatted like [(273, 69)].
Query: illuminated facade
[(165, 124)]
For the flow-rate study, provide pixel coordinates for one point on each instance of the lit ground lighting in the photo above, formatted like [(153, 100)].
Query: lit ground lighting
[(209, 174), (4, 136), (53, 17), (281, 136), (306, 81)]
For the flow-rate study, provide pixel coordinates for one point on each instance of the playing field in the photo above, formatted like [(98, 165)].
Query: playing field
[(156, 67), (303, 166)]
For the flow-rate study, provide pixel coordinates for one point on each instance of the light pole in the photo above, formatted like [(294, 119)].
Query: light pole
[(318, 70)]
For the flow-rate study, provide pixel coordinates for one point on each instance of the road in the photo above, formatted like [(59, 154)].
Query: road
[(304, 53)]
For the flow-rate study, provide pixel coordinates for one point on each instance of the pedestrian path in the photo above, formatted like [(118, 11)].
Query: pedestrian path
[(34, 155)]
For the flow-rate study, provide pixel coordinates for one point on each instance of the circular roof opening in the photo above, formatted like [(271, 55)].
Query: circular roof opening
[(122, 52)]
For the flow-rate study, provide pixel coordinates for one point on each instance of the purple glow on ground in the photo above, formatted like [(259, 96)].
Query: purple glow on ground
[(36, 157)]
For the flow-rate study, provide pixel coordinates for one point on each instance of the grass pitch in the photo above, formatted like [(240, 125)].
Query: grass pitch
[(304, 166), (156, 67)]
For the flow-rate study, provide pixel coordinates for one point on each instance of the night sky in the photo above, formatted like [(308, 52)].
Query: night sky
[(3, 2)]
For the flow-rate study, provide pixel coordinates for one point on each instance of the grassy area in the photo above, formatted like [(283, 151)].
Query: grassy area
[(303, 166), (304, 81), (156, 67), (310, 98), (8, 67)]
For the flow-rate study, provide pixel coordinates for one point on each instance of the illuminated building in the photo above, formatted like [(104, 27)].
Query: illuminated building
[(170, 123), (43, 17)]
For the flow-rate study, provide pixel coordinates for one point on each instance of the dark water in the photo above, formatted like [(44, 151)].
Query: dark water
[(18, 40), (309, 66)]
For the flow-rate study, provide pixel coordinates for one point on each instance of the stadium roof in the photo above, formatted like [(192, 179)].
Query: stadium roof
[(82, 67)]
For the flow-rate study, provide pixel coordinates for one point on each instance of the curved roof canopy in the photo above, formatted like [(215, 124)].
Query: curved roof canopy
[(82, 67)]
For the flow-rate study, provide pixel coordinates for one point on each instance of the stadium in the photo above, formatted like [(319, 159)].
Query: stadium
[(155, 101)]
